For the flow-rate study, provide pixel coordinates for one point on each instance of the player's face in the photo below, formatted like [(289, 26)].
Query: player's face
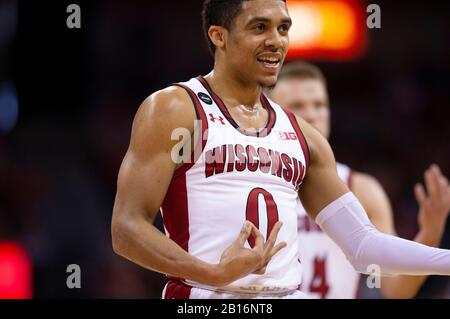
[(306, 98), (258, 41)]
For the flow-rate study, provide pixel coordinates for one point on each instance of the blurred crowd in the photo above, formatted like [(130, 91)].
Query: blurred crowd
[(68, 97)]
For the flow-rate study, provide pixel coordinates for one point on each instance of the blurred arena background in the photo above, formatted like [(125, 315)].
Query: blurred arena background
[(68, 97)]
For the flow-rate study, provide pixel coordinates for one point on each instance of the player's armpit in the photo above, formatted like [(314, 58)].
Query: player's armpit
[(322, 184)]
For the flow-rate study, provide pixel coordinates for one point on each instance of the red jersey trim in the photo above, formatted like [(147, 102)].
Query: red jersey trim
[(301, 138), (200, 116)]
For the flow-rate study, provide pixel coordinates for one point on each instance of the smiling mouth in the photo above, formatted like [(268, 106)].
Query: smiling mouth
[(270, 62)]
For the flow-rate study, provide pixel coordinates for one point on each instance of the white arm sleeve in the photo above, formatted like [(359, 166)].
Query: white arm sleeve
[(346, 222)]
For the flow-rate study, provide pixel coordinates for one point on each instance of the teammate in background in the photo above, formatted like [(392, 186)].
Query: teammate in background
[(302, 89), (256, 161)]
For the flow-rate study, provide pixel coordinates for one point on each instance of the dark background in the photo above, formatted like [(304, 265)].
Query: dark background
[(78, 90)]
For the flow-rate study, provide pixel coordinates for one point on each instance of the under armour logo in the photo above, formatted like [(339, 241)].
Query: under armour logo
[(213, 119)]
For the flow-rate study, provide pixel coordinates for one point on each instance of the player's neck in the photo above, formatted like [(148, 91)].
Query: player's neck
[(233, 90)]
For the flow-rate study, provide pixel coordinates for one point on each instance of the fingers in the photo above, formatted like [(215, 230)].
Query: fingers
[(274, 251), (435, 168), (436, 182), (444, 192), (273, 235), (419, 191), (443, 187), (431, 182), (249, 229), (437, 187), (443, 183), (277, 248), (259, 238), (246, 230), (441, 180), (260, 271)]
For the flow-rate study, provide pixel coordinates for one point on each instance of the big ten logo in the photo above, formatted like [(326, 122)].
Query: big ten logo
[(287, 136)]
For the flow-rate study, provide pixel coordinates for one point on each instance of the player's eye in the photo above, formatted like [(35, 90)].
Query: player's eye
[(284, 28), (260, 27)]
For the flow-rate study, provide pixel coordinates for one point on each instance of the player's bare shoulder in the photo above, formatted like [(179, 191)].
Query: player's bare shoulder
[(171, 107), (158, 116)]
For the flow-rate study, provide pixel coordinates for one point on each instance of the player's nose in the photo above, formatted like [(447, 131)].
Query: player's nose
[(274, 40)]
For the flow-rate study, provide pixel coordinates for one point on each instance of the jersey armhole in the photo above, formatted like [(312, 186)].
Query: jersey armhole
[(301, 137), (201, 116)]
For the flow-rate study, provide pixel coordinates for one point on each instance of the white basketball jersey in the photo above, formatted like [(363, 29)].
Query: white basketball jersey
[(239, 176), (326, 271)]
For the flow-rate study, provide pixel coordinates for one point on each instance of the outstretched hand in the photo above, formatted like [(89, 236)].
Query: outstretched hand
[(434, 202)]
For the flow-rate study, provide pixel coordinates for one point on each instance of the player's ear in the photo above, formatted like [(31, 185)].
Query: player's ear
[(217, 35)]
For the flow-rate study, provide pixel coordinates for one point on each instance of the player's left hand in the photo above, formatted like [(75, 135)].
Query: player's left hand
[(434, 208)]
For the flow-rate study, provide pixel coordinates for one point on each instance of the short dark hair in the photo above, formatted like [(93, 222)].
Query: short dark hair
[(220, 13), (301, 70)]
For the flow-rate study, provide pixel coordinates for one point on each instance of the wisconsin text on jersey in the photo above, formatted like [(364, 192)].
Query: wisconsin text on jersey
[(240, 158), (237, 157)]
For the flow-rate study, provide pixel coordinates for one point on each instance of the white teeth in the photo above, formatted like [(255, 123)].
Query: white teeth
[(269, 59)]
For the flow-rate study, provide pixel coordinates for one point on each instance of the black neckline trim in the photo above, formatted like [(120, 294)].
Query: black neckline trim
[(264, 101)]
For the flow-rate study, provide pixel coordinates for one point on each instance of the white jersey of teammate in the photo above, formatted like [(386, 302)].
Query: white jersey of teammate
[(240, 176), (326, 271)]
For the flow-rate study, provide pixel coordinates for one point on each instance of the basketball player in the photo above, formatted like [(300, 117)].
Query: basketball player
[(230, 211), (301, 88)]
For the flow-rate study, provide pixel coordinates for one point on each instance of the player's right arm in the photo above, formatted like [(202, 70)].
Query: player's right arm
[(341, 216), (143, 180)]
